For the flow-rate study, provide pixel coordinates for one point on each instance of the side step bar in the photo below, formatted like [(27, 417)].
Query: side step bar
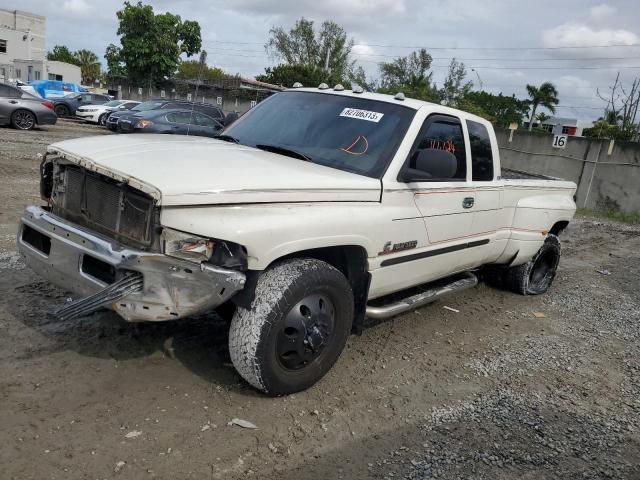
[(130, 283), (468, 280)]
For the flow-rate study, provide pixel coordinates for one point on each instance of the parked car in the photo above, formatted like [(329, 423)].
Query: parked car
[(67, 106), (208, 109), (56, 88), (178, 122), (326, 206), (99, 113), (23, 110)]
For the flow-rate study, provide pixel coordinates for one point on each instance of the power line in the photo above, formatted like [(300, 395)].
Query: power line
[(571, 47), (505, 59)]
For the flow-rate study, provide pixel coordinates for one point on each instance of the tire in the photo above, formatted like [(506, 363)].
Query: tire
[(102, 119), (23, 120), (536, 276), (62, 110), (296, 328)]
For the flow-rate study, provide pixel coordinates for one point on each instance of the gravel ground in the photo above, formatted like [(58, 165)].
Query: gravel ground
[(509, 388)]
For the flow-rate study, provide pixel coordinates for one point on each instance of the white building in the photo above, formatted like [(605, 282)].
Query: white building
[(23, 50)]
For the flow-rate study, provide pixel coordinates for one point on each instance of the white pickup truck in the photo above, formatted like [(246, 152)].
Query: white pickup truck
[(316, 209)]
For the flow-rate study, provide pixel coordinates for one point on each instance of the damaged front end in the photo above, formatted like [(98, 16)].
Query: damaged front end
[(100, 238)]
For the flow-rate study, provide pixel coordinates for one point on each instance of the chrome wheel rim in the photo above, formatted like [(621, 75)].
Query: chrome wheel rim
[(24, 120)]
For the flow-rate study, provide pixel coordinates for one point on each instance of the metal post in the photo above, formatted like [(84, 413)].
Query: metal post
[(593, 173)]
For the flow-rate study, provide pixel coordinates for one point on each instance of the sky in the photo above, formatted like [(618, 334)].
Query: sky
[(505, 44)]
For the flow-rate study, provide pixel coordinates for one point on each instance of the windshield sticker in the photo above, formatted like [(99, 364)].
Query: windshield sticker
[(367, 115), (447, 145), (358, 147)]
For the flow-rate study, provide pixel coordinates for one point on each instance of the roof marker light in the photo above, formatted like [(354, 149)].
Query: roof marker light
[(323, 86), (399, 96), (297, 85), (357, 89), (338, 87)]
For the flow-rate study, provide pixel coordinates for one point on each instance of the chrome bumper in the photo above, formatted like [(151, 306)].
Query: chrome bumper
[(173, 288)]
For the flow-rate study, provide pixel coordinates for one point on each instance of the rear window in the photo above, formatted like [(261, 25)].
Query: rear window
[(481, 154)]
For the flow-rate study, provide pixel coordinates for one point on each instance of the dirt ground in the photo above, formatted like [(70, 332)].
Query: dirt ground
[(510, 387)]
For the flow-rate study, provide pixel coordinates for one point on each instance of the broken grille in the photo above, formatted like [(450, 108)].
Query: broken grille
[(103, 205)]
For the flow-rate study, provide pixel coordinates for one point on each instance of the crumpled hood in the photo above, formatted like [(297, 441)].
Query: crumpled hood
[(181, 170)]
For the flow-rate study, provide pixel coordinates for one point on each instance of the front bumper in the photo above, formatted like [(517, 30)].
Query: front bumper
[(71, 257), (88, 116)]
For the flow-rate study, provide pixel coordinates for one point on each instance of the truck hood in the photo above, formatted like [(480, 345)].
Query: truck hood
[(180, 170)]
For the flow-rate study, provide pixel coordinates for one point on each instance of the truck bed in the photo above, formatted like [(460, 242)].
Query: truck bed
[(510, 174)]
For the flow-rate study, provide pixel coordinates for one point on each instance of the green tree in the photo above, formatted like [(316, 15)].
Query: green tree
[(61, 53), (328, 48), (500, 109), (542, 117), (191, 70), (115, 66), (152, 44), (604, 130), (545, 95), (410, 75), (89, 66), (308, 75), (455, 87)]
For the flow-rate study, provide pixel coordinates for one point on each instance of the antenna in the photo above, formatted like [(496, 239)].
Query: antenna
[(203, 63)]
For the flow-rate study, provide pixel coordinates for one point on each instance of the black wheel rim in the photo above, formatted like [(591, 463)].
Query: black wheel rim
[(542, 268), (23, 120), (61, 111), (306, 331)]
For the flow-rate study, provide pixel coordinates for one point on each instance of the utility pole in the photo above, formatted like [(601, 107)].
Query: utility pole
[(479, 79), (326, 60), (203, 63)]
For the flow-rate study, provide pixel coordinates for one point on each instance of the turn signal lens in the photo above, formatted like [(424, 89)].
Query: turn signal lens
[(186, 246)]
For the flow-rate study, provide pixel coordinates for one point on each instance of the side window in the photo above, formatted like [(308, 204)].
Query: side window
[(179, 117), (205, 121), (446, 134), (481, 154), (5, 91)]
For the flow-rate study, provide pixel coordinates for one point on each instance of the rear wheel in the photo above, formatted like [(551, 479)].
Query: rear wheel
[(23, 120), (296, 327), (62, 110), (531, 278)]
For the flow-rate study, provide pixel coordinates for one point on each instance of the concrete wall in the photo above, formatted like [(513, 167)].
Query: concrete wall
[(230, 101), (604, 179)]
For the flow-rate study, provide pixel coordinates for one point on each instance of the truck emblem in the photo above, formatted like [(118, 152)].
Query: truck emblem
[(397, 247)]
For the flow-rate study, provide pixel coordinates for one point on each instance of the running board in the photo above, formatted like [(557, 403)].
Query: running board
[(468, 280), (127, 285)]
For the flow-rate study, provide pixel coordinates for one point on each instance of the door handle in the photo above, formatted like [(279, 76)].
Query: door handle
[(468, 202), (13, 101)]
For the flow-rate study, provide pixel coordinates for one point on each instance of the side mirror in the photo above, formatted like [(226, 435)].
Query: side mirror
[(430, 164)]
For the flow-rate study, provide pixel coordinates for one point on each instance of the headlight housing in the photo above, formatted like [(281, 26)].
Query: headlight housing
[(186, 246)]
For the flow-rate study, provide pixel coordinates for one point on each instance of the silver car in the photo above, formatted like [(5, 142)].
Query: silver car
[(24, 111)]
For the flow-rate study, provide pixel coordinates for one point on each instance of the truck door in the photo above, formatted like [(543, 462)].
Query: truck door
[(488, 216), (444, 203)]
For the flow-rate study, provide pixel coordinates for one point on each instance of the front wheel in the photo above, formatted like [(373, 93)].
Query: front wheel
[(296, 327), (102, 119)]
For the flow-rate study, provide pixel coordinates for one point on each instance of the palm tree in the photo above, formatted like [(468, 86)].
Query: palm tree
[(89, 65), (542, 117), (545, 95)]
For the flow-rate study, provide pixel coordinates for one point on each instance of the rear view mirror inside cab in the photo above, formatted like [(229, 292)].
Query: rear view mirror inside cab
[(430, 164)]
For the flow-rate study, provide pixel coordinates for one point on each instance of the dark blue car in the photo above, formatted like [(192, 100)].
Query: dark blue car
[(174, 121)]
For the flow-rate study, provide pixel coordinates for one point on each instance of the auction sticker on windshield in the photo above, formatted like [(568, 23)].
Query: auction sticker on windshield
[(362, 114)]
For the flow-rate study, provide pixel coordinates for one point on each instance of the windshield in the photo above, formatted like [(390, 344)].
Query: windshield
[(147, 106), (114, 103), (353, 134)]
